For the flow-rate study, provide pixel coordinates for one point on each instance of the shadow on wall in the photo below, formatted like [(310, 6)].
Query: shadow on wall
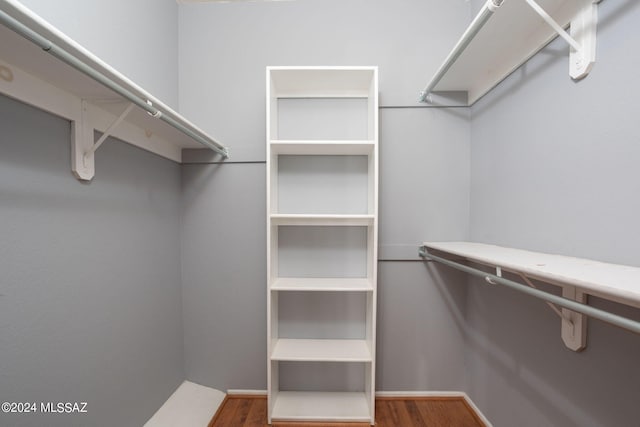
[(194, 182), (456, 307), (519, 369)]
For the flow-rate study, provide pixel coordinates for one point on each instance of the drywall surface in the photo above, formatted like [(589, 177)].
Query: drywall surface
[(138, 38), (224, 275), (554, 168), (420, 308), (424, 178), (90, 302), (225, 47), (421, 328)]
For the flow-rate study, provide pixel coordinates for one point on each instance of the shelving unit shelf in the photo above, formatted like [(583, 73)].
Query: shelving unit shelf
[(321, 406), (333, 148), (310, 219), (322, 203), (321, 284), (321, 350)]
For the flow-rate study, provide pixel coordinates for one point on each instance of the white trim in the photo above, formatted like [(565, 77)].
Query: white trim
[(235, 392), (477, 410), (420, 394)]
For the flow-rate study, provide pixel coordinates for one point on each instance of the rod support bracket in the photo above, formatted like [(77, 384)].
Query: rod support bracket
[(583, 30), (83, 147), (574, 325), (82, 165), (422, 251), (581, 38)]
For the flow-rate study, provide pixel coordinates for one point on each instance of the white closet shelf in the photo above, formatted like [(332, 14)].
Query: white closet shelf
[(332, 148), (576, 277), (620, 283), (321, 406), (326, 220), (54, 73), (321, 350), (321, 82), (304, 284), (503, 40)]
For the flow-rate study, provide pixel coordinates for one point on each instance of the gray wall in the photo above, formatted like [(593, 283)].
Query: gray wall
[(224, 49), (223, 275), (139, 38), (554, 168), (90, 302)]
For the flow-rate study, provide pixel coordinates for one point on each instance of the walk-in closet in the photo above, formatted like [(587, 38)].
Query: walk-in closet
[(319, 213)]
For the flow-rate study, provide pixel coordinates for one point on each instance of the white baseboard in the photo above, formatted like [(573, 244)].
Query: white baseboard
[(191, 405), (420, 394), (235, 392), (484, 419)]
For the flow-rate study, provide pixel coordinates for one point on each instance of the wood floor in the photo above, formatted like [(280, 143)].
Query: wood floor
[(251, 411)]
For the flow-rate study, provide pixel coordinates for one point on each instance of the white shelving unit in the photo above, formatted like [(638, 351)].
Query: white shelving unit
[(322, 204)]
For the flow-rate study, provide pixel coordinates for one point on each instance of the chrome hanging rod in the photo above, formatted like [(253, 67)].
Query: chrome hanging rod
[(596, 313), (98, 70), (476, 25)]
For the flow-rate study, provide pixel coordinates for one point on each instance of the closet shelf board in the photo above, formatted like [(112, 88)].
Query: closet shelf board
[(615, 282), (321, 350)]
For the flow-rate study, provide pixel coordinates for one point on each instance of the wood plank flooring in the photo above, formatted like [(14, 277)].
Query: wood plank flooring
[(251, 411)]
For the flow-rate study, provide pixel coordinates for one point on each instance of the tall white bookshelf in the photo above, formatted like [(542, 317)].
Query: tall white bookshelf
[(322, 239)]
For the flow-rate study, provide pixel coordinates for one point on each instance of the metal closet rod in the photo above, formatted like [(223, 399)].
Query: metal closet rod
[(476, 25), (596, 313), (167, 116)]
